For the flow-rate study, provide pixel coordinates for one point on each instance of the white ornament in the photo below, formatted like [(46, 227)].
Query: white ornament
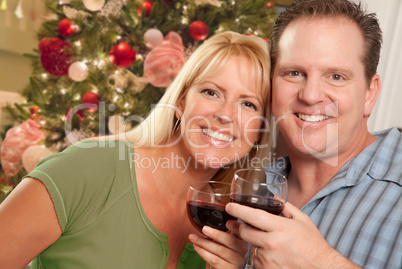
[(50, 17), (65, 1), (78, 71), (116, 124), (73, 137), (153, 38), (33, 155), (127, 79), (71, 13), (113, 8), (216, 3), (18, 11), (94, 5)]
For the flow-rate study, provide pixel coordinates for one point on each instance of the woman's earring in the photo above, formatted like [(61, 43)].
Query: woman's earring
[(256, 146)]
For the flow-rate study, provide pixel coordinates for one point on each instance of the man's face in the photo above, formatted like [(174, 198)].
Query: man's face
[(320, 96)]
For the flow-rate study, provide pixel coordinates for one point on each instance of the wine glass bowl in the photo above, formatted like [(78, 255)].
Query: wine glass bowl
[(260, 189), (206, 202)]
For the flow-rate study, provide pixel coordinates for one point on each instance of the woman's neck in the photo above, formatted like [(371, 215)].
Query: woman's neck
[(170, 170)]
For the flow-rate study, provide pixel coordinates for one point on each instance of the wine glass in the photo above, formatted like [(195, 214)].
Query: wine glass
[(261, 189), (206, 202)]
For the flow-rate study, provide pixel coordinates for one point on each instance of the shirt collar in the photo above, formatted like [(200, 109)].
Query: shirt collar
[(381, 160)]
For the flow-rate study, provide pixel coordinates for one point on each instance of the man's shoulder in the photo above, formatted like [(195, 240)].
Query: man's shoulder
[(389, 134), (384, 158)]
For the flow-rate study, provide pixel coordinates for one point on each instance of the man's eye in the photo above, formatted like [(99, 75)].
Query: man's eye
[(293, 73), (294, 76), (336, 77)]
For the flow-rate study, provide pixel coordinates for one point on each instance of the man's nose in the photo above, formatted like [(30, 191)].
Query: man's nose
[(312, 91)]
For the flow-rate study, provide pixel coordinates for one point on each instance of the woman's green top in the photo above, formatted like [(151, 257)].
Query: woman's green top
[(94, 192)]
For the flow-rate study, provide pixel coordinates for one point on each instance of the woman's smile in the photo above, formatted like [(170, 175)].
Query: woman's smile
[(217, 137)]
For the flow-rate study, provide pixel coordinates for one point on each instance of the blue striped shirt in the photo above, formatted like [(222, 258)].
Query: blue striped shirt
[(359, 212)]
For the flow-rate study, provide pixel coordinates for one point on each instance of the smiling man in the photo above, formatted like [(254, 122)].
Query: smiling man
[(345, 184), (323, 98)]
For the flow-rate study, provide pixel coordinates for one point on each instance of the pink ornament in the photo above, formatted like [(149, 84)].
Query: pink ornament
[(164, 62), (17, 140), (153, 38)]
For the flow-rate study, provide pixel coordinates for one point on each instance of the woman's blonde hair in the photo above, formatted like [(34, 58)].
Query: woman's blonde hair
[(208, 60)]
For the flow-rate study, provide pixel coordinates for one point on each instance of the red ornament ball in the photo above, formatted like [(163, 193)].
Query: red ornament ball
[(56, 57), (122, 55), (34, 115), (91, 98), (43, 43), (66, 28), (34, 110), (147, 6), (70, 114), (198, 30)]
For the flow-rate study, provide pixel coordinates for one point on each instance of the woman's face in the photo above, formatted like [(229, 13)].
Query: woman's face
[(222, 115)]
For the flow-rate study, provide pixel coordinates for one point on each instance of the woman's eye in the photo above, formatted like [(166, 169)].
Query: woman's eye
[(209, 92), (250, 105)]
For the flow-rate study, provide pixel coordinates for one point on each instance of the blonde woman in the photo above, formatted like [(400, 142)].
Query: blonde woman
[(122, 203)]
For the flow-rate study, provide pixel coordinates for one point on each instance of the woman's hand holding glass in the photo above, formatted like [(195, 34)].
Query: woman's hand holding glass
[(206, 210)]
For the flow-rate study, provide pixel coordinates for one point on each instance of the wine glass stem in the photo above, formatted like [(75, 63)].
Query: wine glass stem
[(249, 259)]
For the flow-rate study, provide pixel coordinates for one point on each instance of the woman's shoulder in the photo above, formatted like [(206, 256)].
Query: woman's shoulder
[(100, 145)]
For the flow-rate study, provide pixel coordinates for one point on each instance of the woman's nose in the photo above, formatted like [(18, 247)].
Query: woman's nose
[(225, 113), (222, 118)]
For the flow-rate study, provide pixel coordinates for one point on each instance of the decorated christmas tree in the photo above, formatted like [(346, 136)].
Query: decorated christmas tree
[(100, 65)]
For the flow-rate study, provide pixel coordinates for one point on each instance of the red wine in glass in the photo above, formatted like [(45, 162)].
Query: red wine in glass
[(267, 204), (212, 215), (261, 189), (206, 202)]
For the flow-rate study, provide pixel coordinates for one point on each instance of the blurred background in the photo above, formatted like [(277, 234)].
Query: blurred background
[(95, 63), (21, 19)]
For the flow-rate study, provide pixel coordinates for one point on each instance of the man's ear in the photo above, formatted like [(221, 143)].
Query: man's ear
[(372, 94)]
